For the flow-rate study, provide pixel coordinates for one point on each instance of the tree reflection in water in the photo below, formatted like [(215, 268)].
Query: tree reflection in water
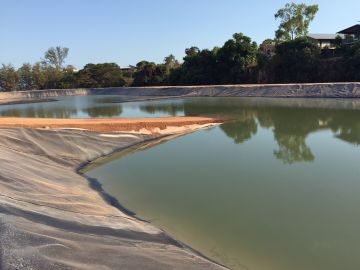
[(290, 125), (346, 126), (104, 111), (291, 120), (40, 112), (240, 131), (172, 109), (292, 149)]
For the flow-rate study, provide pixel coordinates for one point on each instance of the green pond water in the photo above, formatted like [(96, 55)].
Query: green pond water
[(277, 188), (91, 107)]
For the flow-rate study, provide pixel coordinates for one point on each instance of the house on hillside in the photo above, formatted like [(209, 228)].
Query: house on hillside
[(326, 41), (128, 68), (352, 34)]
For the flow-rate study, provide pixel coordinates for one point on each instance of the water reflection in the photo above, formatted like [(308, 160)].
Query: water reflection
[(103, 111), (112, 99), (292, 149), (96, 106), (346, 126), (349, 134), (245, 207), (290, 120), (291, 126), (240, 131), (40, 112), (172, 109)]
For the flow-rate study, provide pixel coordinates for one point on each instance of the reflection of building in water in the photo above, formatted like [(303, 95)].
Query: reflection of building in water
[(346, 128)]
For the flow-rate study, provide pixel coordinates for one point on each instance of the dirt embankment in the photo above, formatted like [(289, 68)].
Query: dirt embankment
[(137, 125)]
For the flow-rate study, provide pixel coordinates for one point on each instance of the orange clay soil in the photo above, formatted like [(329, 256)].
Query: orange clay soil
[(108, 124)]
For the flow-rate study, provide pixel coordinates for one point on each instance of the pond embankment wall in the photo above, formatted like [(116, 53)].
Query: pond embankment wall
[(315, 90)]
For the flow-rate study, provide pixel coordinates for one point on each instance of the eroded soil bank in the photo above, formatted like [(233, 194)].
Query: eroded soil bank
[(149, 125), (51, 217)]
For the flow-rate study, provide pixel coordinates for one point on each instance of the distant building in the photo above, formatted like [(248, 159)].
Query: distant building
[(325, 40), (128, 68), (352, 34), (71, 68)]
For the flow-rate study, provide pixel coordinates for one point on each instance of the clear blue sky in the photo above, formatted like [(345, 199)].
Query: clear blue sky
[(127, 31)]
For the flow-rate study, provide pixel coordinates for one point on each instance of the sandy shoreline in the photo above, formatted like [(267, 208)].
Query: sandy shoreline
[(161, 125), (52, 218)]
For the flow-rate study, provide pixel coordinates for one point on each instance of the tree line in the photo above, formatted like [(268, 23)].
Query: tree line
[(50, 73), (291, 57)]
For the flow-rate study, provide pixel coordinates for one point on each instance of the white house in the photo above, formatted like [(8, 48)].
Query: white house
[(325, 40)]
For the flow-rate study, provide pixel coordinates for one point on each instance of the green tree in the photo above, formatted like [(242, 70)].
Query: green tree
[(265, 55), (296, 61), (352, 62), (55, 57), (338, 41), (170, 62), (100, 75), (235, 57), (266, 52), (148, 73), (52, 76), (267, 48), (199, 67), (227, 64), (25, 77), (68, 79), (38, 76), (192, 51), (9, 78), (294, 20)]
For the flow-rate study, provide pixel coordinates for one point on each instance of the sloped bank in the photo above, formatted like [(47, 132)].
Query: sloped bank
[(311, 90), (51, 218), (321, 90)]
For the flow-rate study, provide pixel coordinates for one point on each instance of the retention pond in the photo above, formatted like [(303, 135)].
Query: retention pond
[(275, 188)]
